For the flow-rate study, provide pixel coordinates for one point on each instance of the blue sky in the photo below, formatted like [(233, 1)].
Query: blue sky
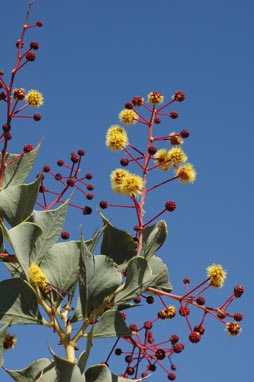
[(95, 56)]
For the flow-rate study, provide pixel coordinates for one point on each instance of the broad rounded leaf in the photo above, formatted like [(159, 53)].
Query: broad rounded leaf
[(101, 373), (17, 172), (110, 325), (18, 300), (17, 203), (117, 244), (153, 238), (162, 282), (42, 370), (67, 371)]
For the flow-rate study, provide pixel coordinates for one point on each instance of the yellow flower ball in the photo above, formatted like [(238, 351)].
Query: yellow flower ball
[(37, 277), (117, 177), (128, 116), (132, 184), (116, 138), (34, 98), (177, 156), (186, 173), (163, 156), (216, 275), (155, 98)]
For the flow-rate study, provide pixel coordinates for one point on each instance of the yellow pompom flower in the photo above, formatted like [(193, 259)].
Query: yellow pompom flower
[(175, 140), (9, 341), (132, 184), (233, 328), (177, 155), (170, 312), (163, 156), (37, 277), (127, 116), (117, 177), (155, 98), (187, 173), (34, 98), (116, 138), (216, 275)]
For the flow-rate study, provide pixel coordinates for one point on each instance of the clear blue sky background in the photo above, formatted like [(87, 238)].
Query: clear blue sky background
[(93, 57)]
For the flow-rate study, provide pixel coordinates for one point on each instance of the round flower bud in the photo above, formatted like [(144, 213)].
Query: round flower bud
[(137, 101), (90, 187), (74, 157), (34, 45), (124, 162), (123, 315), (42, 188), (173, 114), (174, 339), (144, 374), (118, 351), (152, 150), (200, 300), (70, 182), (9, 341), (179, 96), (8, 136), (238, 316), (184, 311), (152, 367), (173, 367), (157, 120), (88, 176), (6, 127), (171, 376), (60, 162), (58, 177), (129, 105), (19, 94), (148, 325), (30, 56), (185, 133), (90, 196), (160, 354), (133, 327), (104, 204), (128, 359), (238, 291), (130, 370), (233, 328), (1, 72), (46, 168), (20, 44), (87, 210), (221, 314), (137, 300), (37, 117), (170, 206), (65, 235), (194, 337), (81, 152), (161, 314), (178, 348), (200, 329), (28, 148), (3, 95), (150, 300), (39, 23), (155, 98)]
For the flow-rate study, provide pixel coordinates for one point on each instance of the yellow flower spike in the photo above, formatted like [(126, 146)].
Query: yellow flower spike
[(117, 177), (216, 275), (127, 116), (155, 98), (116, 138), (233, 329), (34, 98), (175, 140), (177, 156), (132, 184), (37, 277), (187, 173), (162, 156)]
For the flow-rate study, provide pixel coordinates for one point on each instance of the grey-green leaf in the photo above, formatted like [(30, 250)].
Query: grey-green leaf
[(18, 300), (101, 373), (85, 354), (99, 278), (52, 223), (42, 370), (3, 331), (153, 238), (61, 266), (111, 325), (17, 172), (67, 371), (139, 278), (23, 238), (16, 203), (117, 244), (162, 282)]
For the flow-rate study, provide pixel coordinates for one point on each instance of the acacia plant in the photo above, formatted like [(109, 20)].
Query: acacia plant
[(45, 274)]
